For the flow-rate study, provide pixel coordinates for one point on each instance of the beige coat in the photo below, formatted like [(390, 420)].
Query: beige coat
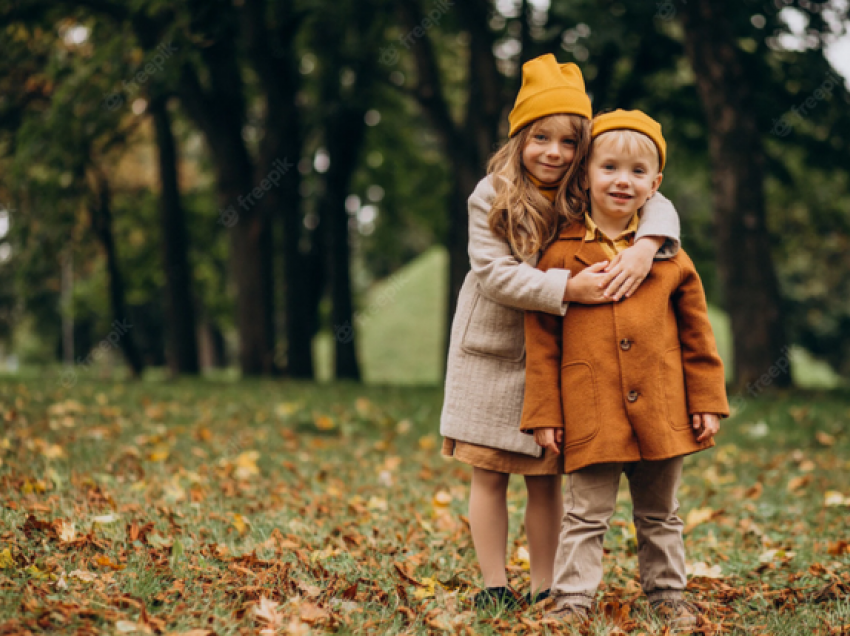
[(485, 376), (622, 379)]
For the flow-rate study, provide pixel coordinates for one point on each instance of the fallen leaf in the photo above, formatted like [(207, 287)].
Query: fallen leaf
[(324, 423), (427, 442), (701, 569), (825, 438), (240, 523), (110, 518), (776, 555), (6, 560), (312, 614), (835, 498), (83, 575), (799, 482), (66, 531)]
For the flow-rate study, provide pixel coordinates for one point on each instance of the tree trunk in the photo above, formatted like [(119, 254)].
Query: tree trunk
[(274, 59), (101, 222), (737, 156), (345, 135), (182, 349), (219, 111), (467, 144)]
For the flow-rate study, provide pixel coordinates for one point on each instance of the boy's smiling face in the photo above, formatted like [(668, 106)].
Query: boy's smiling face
[(623, 174)]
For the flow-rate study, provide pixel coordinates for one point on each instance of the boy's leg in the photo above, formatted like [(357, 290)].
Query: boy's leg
[(590, 495), (661, 549), (488, 521), (542, 525)]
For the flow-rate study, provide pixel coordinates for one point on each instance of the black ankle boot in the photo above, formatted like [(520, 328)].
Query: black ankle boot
[(532, 598)]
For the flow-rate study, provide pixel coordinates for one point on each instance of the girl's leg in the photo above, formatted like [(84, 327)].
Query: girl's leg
[(543, 526), (488, 520)]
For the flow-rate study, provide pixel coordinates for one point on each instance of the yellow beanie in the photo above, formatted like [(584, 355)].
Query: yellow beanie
[(632, 120), (548, 88)]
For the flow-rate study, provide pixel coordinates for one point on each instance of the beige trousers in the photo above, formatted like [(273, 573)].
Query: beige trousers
[(589, 498)]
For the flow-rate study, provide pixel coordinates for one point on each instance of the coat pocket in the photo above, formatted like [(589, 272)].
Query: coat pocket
[(580, 404), (672, 378), (494, 330)]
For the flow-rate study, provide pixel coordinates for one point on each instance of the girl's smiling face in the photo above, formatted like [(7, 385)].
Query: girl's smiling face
[(549, 150)]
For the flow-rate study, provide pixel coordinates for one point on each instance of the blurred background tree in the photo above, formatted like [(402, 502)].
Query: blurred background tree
[(281, 184)]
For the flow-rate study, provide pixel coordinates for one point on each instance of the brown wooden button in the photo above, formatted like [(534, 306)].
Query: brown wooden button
[(632, 396), (625, 344)]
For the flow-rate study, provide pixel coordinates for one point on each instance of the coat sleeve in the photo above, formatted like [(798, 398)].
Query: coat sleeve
[(542, 406), (705, 381), (503, 277), (659, 218)]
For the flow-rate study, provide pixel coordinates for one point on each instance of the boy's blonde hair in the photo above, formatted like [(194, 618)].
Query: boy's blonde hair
[(522, 216), (628, 142)]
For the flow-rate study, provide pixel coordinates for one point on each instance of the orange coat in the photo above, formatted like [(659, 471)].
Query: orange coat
[(623, 378)]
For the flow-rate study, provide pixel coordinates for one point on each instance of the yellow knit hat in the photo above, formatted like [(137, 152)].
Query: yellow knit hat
[(632, 120), (548, 88)]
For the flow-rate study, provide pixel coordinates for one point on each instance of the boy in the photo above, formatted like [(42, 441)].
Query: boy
[(642, 382)]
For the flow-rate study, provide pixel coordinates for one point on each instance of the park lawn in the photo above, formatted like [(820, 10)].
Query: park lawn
[(166, 507)]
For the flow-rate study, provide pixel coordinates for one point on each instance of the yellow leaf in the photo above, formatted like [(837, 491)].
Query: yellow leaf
[(376, 503), (246, 465), (428, 589), (6, 560), (53, 451), (110, 518), (427, 442), (240, 523), (324, 423), (403, 427), (698, 516), (776, 554), (522, 558), (159, 454), (442, 499), (285, 409), (835, 498), (700, 569)]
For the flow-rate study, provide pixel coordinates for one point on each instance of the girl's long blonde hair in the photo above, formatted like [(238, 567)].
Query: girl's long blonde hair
[(522, 216)]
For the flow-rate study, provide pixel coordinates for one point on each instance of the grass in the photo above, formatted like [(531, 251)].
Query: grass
[(239, 506)]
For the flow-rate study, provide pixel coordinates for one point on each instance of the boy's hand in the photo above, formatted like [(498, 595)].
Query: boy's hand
[(630, 267), (549, 438), (586, 286), (706, 424)]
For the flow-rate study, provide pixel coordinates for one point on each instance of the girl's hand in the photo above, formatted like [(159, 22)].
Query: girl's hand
[(630, 267), (549, 438), (586, 286), (706, 424)]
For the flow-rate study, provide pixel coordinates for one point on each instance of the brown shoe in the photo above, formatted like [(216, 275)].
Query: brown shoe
[(679, 615), (567, 614)]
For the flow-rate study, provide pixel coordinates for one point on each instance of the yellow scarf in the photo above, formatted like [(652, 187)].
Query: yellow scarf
[(548, 190)]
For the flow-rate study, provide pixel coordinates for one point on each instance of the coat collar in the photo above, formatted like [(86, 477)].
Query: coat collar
[(587, 252)]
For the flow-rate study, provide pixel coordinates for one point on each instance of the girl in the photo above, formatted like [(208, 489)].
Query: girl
[(533, 182)]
